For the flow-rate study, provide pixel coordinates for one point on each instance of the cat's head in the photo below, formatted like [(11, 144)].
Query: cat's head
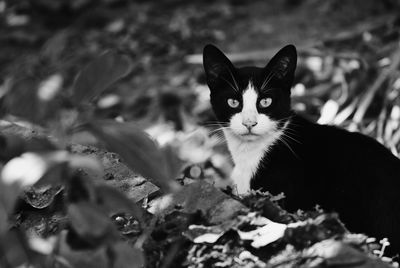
[(252, 102)]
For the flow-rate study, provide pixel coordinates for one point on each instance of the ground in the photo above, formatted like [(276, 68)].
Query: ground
[(342, 46)]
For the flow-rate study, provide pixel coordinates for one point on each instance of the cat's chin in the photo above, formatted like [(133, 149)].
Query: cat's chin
[(244, 137), (249, 137)]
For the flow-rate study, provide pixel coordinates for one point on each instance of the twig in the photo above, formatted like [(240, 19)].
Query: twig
[(369, 95)]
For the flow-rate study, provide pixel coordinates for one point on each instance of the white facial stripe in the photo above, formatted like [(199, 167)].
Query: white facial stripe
[(247, 151), (249, 111)]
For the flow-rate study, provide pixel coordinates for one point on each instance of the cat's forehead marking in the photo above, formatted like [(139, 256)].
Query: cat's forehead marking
[(250, 96)]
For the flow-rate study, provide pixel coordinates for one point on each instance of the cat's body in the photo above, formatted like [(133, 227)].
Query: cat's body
[(276, 150)]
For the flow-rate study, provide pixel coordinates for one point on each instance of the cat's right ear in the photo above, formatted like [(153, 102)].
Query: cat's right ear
[(217, 66)]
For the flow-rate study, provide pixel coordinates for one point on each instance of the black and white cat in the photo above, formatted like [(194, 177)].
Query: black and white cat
[(275, 150)]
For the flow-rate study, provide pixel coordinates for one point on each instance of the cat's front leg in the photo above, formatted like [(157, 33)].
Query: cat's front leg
[(241, 180)]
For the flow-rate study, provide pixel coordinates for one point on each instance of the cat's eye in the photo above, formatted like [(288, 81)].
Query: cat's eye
[(233, 103), (265, 102)]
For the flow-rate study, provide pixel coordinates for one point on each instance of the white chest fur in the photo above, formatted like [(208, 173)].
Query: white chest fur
[(246, 156)]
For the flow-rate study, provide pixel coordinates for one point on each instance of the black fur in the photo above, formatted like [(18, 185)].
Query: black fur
[(341, 171)]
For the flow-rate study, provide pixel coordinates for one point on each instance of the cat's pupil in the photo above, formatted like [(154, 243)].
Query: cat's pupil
[(233, 103), (264, 103)]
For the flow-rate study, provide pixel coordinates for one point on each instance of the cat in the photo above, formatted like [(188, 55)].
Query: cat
[(276, 150)]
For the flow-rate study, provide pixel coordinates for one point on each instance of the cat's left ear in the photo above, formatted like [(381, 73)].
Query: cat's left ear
[(218, 68), (283, 64)]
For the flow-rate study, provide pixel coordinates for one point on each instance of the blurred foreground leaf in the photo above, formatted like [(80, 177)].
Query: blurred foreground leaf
[(100, 74), (14, 249), (90, 222), (127, 257), (29, 168), (137, 149), (114, 201)]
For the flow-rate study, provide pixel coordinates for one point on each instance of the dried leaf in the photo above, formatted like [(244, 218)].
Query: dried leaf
[(99, 75), (204, 234), (264, 235)]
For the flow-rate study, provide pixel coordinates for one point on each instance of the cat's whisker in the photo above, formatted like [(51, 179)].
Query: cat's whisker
[(285, 119), (282, 139), (293, 136), (218, 130), (234, 80), (235, 88), (290, 131), (229, 83), (290, 137), (267, 79), (217, 124), (220, 138)]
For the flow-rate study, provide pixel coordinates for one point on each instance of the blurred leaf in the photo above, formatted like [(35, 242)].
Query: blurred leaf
[(10, 147), (137, 149), (42, 245), (114, 202), (127, 256), (72, 257), (80, 189), (87, 163), (90, 222), (8, 196), (29, 98), (14, 248), (49, 88), (174, 164), (29, 168), (22, 101), (3, 216), (13, 145), (56, 44), (55, 175), (24, 170), (99, 75)]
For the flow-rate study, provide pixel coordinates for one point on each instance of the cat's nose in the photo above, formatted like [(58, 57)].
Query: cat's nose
[(249, 124)]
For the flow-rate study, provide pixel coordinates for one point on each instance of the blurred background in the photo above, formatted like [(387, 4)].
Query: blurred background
[(348, 72)]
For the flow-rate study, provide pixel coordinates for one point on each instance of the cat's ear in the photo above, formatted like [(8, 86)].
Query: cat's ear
[(283, 64), (217, 66)]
